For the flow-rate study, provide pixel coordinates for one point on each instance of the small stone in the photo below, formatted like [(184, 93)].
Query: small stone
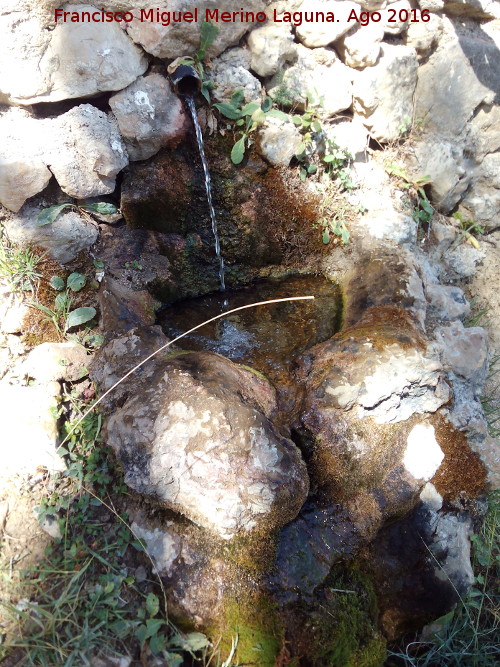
[(316, 33), (270, 46), (447, 301), (21, 178), (52, 362), (150, 116), (465, 352), (279, 141), (230, 72), (391, 22), (423, 36), (360, 47)]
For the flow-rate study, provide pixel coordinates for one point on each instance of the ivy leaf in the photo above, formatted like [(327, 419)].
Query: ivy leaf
[(80, 316), (101, 207), (238, 152), (152, 604), (48, 215), (56, 282), (228, 111), (76, 281)]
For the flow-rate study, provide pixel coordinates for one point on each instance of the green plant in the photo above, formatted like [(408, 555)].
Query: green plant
[(469, 229), (422, 208), (18, 267), (208, 34), (49, 215), (468, 635), (331, 218), (247, 119), (61, 315), (83, 601)]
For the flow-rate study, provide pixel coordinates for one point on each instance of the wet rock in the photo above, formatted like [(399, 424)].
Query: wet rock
[(383, 94), (447, 97), (315, 69), (119, 356), (279, 141), (270, 47), (360, 47), (230, 72), (64, 239), (150, 116), (184, 38), (314, 34), (42, 65), (199, 440), (122, 308), (29, 427), (87, 153), (420, 566), (52, 362)]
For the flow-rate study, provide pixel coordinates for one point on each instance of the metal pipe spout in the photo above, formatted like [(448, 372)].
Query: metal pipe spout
[(185, 80)]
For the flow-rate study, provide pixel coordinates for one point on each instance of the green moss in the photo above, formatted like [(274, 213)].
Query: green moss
[(253, 619), (342, 627)]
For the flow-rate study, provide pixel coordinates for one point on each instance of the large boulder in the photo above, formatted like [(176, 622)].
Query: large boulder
[(199, 439), (383, 94), (150, 116), (270, 47), (170, 41), (73, 60), (315, 70)]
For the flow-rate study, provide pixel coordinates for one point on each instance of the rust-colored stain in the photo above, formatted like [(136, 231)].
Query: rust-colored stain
[(385, 325), (462, 470)]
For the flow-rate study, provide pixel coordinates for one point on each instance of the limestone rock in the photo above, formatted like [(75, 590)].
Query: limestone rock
[(21, 179), (392, 23), (484, 132), (73, 60), (199, 440), (423, 36), (52, 362), (13, 311), (464, 352), (449, 171), (432, 5), (482, 200), (87, 153), (230, 72), (383, 94), (360, 47), (184, 38), (64, 239), (29, 428), (270, 47), (477, 9), (447, 301), (150, 116), (372, 5), (316, 70), (279, 141), (351, 136), (122, 308), (446, 97), (318, 33)]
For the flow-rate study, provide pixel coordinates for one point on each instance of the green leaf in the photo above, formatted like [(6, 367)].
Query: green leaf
[(237, 98), (48, 215), (240, 122), (101, 207), (56, 282), (316, 126), (152, 604), (208, 34), (238, 152), (303, 174), (76, 281), (297, 120), (228, 111), (196, 641), (152, 626), (280, 115), (258, 116), (80, 316), (267, 104), (62, 302), (326, 237), (205, 92), (250, 109), (312, 169)]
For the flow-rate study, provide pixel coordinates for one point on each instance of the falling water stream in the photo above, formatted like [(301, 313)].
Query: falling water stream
[(199, 137)]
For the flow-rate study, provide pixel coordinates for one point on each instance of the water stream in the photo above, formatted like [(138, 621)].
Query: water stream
[(208, 188)]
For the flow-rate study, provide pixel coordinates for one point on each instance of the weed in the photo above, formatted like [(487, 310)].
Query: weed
[(468, 230), (49, 215), (468, 635), (61, 315), (18, 267), (332, 219), (84, 601), (423, 211)]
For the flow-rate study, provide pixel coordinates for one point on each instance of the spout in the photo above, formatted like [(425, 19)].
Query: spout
[(186, 80)]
